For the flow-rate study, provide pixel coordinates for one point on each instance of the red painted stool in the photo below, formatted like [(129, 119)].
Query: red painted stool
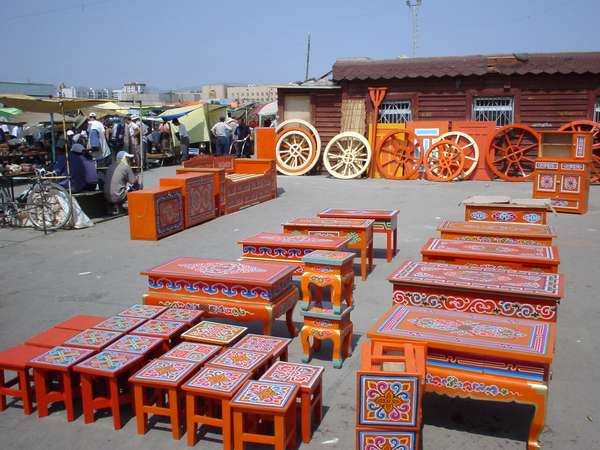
[(189, 316), (163, 376), (146, 346), (207, 332), (51, 338), (80, 323), (310, 380), (16, 359), (47, 367), (192, 351), (275, 346), (122, 324), (108, 370), (272, 402), (208, 392), (238, 359), (167, 330), (93, 339), (143, 311)]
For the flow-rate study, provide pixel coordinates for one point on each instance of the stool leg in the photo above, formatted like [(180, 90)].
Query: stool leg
[(305, 417), (348, 291), (292, 429), (175, 414), (226, 429), (238, 430), (68, 396), (284, 355), (316, 344), (113, 386), (336, 296), (140, 414), (25, 386), (305, 339), (192, 426), (2, 396), (319, 403), (87, 398), (279, 435), (337, 350), (39, 377)]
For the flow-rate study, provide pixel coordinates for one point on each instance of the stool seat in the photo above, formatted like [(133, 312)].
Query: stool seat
[(51, 338), (189, 316), (214, 333), (277, 347), (80, 322), (240, 359), (143, 311), (94, 339), (124, 324), (167, 330), (192, 351), (18, 357), (141, 345)]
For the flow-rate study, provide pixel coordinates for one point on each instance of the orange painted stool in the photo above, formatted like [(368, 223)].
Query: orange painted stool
[(254, 363), (110, 369), (324, 268), (310, 380), (80, 323), (55, 364), (93, 339), (146, 346), (51, 338), (322, 324), (167, 330), (192, 351), (163, 376), (189, 316), (124, 324), (207, 332), (16, 359), (277, 347), (143, 311), (207, 392), (271, 402)]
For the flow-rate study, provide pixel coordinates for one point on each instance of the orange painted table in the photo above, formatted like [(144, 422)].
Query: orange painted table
[(243, 291), (198, 196), (360, 232), (386, 222), (506, 213), (478, 356), (477, 289), (500, 233), (541, 258), (288, 248)]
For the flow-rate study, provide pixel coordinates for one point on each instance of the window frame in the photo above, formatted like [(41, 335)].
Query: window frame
[(405, 114), (482, 113)]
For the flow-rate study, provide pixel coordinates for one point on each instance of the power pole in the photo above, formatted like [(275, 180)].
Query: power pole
[(307, 57), (414, 5)]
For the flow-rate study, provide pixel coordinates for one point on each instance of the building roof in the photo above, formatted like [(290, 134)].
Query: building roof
[(451, 66)]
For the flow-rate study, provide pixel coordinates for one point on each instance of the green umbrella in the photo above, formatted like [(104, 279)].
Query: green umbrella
[(10, 112)]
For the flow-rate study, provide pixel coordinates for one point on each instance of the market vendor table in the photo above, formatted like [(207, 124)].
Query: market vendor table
[(478, 356), (500, 233), (243, 291), (505, 209), (542, 258), (386, 222), (286, 248), (477, 289), (360, 232)]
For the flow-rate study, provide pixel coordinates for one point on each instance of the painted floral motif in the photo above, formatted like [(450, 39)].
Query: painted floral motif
[(503, 216), (237, 358), (159, 327), (286, 372), (387, 400), (62, 356), (192, 351), (165, 370), (260, 343), (532, 217), (467, 327), (266, 393), (216, 379), (212, 289), (275, 252), (91, 338), (221, 268), (233, 311), (143, 311), (109, 361), (478, 215), (169, 213), (386, 440), (120, 323), (570, 183), (131, 343), (180, 314), (214, 332), (546, 182), (471, 387)]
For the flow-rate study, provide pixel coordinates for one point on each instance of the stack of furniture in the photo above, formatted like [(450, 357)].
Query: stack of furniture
[(198, 196)]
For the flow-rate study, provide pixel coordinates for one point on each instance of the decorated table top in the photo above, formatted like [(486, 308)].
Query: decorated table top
[(160, 328), (296, 241), (330, 222), (143, 311), (123, 324), (239, 359), (108, 362), (139, 345), (192, 351), (266, 344), (217, 381), (217, 270), (266, 395), (94, 339), (327, 257), (164, 372), (182, 315), (61, 358), (479, 278), (498, 229), (485, 336), (378, 214), (304, 375), (214, 333), (540, 254)]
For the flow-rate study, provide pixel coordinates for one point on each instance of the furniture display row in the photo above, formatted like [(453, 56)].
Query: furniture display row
[(500, 208), (498, 232)]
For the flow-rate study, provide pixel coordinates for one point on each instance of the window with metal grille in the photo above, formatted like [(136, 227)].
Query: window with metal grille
[(496, 109), (395, 112), (597, 110)]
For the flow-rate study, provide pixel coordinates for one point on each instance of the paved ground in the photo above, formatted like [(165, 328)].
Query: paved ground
[(45, 279)]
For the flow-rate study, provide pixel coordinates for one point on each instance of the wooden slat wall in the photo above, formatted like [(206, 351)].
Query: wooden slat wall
[(552, 107), (327, 114), (444, 106)]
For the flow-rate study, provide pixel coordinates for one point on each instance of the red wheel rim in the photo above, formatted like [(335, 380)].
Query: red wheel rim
[(444, 161), (398, 157), (594, 128), (513, 151)]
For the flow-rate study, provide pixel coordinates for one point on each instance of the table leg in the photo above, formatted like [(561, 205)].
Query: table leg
[(279, 434), (363, 262), (539, 417), (338, 356), (39, 376), (371, 256), (2, 396), (140, 414), (226, 428), (25, 386), (289, 322), (113, 386), (388, 245), (305, 340), (175, 414), (238, 430), (192, 425), (395, 241), (87, 398), (305, 417), (68, 396)]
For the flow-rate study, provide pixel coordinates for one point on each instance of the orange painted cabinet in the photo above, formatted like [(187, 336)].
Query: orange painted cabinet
[(198, 196), (155, 213)]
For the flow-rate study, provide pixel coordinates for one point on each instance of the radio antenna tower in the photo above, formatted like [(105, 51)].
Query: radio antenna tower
[(414, 5)]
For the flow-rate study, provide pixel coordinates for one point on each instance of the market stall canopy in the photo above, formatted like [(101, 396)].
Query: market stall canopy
[(176, 113), (9, 112), (47, 105), (270, 109), (197, 119)]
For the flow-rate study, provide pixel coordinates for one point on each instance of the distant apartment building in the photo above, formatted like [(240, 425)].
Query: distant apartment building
[(134, 88), (214, 91), (252, 93)]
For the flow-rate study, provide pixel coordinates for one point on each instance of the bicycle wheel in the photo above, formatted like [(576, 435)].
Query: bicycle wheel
[(48, 206)]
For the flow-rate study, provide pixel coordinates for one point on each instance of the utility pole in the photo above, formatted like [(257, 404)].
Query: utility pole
[(414, 5), (307, 57)]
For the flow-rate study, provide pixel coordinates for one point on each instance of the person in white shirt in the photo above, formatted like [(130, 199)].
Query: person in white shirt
[(134, 140), (97, 141), (184, 139), (221, 131)]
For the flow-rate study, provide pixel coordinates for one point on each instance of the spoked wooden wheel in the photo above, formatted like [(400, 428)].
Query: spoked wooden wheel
[(398, 157), (295, 152), (594, 128), (347, 155), (469, 149), (444, 161), (513, 151)]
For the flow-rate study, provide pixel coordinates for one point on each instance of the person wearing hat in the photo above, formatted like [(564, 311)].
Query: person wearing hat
[(97, 141), (82, 168), (119, 180)]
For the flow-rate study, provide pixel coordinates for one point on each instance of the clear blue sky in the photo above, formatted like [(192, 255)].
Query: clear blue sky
[(174, 44)]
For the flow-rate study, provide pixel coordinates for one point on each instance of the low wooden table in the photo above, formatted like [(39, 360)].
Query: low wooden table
[(286, 248), (507, 212), (541, 258), (386, 222), (478, 356), (500, 233), (244, 291), (477, 289), (360, 232)]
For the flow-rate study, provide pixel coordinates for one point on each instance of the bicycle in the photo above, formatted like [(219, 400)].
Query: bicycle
[(43, 203), (240, 147)]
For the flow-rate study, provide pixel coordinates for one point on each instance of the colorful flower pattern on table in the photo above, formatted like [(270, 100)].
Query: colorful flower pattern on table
[(220, 333), (266, 394), (470, 387), (165, 370), (217, 379), (468, 248), (221, 268), (143, 311), (532, 217), (497, 227), (109, 361), (386, 440), (466, 328), (63, 356), (155, 327), (388, 400), (478, 215), (264, 344), (181, 314), (192, 351), (91, 338), (123, 324), (236, 358), (286, 372), (132, 343), (503, 216)]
